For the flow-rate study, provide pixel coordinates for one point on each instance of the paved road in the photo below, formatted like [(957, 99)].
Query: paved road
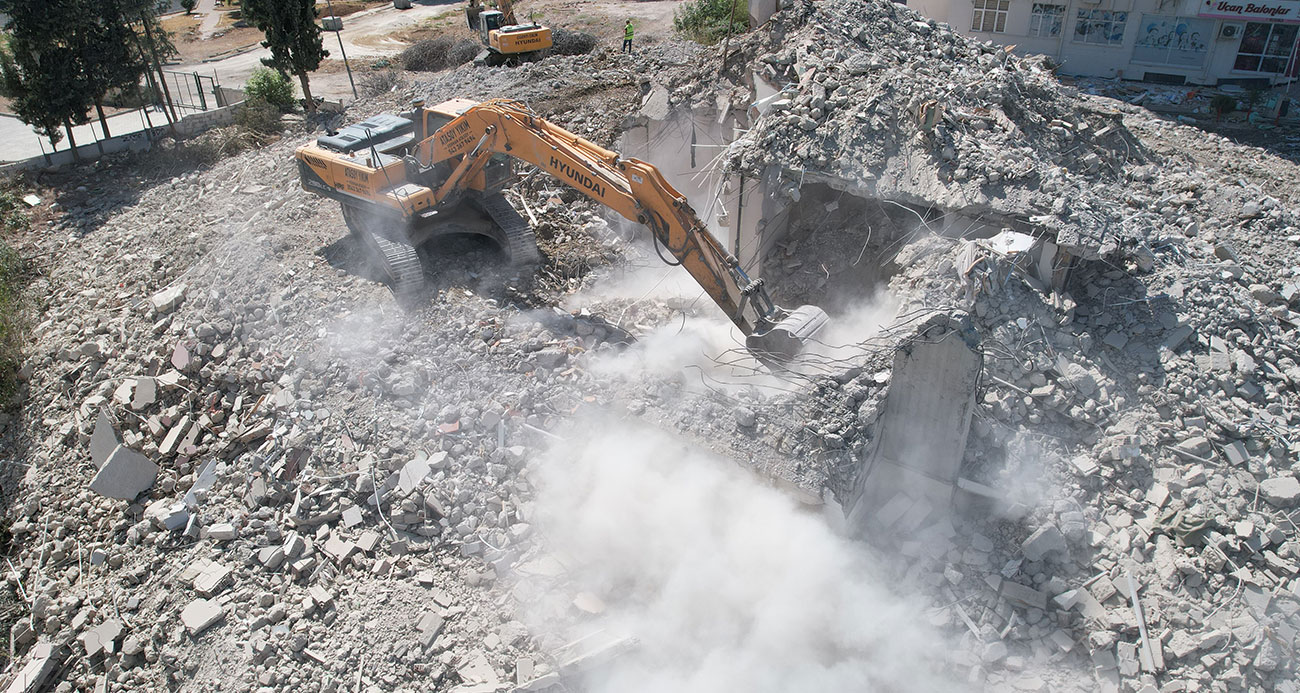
[(365, 35)]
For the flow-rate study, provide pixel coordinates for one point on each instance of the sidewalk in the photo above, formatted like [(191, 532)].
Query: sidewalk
[(21, 142)]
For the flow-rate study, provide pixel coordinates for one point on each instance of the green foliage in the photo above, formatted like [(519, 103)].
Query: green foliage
[(189, 5), (292, 35), (44, 68), (62, 57), (270, 87), (709, 21), (1222, 104), (258, 116), (13, 300)]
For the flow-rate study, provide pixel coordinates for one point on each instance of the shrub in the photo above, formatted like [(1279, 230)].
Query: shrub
[(257, 117), (566, 42), (708, 21), (378, 82), (432, 55), (1222, 104), (270, 86), (13, 313)]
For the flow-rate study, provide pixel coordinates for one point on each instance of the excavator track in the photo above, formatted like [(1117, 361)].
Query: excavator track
[(519, 241), (398, 260)]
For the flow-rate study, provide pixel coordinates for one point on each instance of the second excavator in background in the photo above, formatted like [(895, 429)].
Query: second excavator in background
[(504, 39), (403, 179)]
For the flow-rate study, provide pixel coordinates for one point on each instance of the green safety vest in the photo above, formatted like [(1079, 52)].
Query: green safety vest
[(627, 32)]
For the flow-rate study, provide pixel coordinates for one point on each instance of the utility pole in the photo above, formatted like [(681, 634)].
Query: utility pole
[(338, 33)]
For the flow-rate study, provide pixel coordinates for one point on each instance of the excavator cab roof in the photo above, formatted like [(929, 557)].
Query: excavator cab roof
[(453, 108)]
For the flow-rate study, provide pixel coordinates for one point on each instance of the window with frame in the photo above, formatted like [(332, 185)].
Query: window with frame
[(1266, 47), (1045, 20), (1179, 41), (1100, 27), (990, 16)]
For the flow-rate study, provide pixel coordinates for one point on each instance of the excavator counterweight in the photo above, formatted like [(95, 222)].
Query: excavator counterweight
[(403, 179)]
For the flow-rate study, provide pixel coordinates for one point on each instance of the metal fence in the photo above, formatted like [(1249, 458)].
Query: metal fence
[(192, 91)]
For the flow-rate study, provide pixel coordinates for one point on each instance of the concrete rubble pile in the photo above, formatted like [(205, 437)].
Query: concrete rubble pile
[(876, 100), (1129, 494), (242, 467)]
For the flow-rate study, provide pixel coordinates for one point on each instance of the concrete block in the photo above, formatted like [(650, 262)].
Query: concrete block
[(339, 549), (222, 531), (168, 514), (1044, 541), (352, 517), (101, 638), (1282, 491), (412, 474), (124, 475), (200, 614), (1021, 595), (172, 442), (40, 664), (103, 441), (146, 392), (168, 299)]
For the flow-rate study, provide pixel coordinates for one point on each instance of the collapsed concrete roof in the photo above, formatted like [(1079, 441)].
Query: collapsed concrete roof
[(879, 101)]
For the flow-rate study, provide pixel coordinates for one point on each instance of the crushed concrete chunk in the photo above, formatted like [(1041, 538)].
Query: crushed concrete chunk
[(1046, 540), (200, 614), (1282, 491), (40, 664), (168, 299), (101, 638), (124, 475)]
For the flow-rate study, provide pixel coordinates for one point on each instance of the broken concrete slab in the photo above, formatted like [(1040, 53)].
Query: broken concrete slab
[(476, 669), (146, 392), (124, 475), (412, 474), (1282, 491), (101, 638), (925, 419), (201, 614), (1022, 595), (168, 514), (208, 577), (1045, 541), (40, 664), (168, 299), (103, 441)]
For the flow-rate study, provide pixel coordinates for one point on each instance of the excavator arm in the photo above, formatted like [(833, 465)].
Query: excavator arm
[(634, 189)]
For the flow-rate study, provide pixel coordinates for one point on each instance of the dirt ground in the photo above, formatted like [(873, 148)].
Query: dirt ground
[(653, 20)]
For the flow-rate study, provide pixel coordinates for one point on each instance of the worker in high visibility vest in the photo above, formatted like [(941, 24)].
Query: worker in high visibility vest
[(627, 37)]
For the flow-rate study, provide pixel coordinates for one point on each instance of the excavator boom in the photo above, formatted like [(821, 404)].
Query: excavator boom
[(455, 155)]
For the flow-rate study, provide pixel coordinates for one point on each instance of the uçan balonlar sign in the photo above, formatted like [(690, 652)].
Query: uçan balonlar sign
[(1275, 11)]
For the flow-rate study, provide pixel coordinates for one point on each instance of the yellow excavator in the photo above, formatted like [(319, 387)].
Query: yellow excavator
[(403, 179), (503, 37)]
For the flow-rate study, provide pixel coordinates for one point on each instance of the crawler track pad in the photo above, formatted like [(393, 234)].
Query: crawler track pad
[(786, 339)]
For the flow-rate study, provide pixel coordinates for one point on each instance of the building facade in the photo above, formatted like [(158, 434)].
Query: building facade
[(1170, 41)]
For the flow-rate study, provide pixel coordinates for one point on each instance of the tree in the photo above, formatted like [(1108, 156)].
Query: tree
[(189, 5), (44, 68), (292, 35), (110, 53)]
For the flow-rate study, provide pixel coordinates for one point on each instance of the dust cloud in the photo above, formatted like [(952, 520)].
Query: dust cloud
[(725, 584)]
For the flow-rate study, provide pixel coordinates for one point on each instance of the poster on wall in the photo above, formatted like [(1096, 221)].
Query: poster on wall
[(1274, 11), (1180, 41)]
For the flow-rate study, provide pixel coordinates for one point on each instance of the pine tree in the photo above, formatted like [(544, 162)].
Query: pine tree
[(292, 35), (110, 54), (44, 68)]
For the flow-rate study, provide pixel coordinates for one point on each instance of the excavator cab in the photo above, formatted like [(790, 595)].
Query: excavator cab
[(488, 22)]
